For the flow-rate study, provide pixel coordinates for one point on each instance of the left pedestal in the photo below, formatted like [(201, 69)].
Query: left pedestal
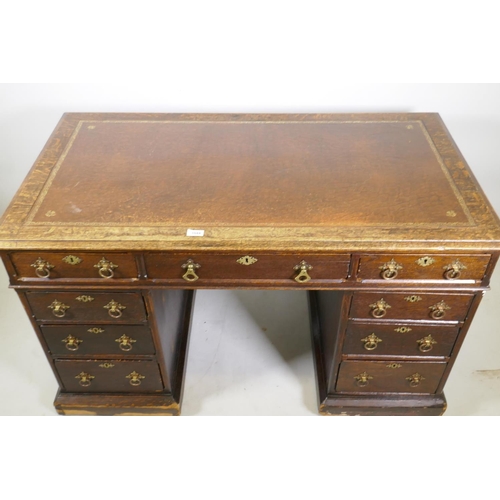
[(114, 352)]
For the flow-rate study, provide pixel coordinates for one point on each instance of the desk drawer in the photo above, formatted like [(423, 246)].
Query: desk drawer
[(387, 376), (410, 306), (64, 340), (267, 267), (401, 339), (390, 267), (57, 265), (88, 306), (109, 376)]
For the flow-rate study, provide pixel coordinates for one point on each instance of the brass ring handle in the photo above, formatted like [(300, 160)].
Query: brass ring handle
[(115, 313), (135, 378), (415, 379), (438, 311), (42, 272), (454, 270), (438, 314), (58, 309), (362, 380), (42, 268), (389, 274), (190, 274), (426, 344), (303, 276), (85, 379), (379, 308), (389, 270), (105, 268), (371, 342), (425, 347), (451, 274), (125, 343), (114, 309), (106, 272), (72, 343)]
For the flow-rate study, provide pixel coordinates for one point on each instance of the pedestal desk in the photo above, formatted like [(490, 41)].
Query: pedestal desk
[(124, 216)]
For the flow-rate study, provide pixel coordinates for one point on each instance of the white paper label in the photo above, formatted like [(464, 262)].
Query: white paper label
[(195, 232)]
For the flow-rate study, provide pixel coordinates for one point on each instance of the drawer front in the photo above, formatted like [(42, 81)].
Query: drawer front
[(87, 307), (389, 376), (399, 339), (423, 267), (56, 265), (64, 340), (109, 376), (253, 266), (418, 306)]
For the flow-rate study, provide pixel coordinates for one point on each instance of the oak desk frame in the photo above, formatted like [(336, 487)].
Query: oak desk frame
[(377, 216)]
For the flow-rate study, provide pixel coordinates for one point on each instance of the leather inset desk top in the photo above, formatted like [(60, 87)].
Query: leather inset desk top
[(326, 182)]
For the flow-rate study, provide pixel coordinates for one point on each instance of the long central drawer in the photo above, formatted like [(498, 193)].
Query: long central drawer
[(290, 269)]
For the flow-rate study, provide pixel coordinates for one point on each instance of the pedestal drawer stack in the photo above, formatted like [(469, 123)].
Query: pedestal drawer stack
[(101, 332), (399, 342), (391, 340), (79, 327)]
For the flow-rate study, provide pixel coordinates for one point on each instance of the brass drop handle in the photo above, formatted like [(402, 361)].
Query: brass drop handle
[(415, 379), (426, 344), (303, 276), (454, 270), (371, 342), (58, 309), (85, 379), (390, 269), (135, 378), (114, 309), (438, 311), (125, 343), (72, 343), (363, 379), (379, 308), (190, 274), (42, 268), (106, 268)]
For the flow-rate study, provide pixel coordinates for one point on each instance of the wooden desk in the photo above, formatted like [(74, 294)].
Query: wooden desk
[(124, 216)]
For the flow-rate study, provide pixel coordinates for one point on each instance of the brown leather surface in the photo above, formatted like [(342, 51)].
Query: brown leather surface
[(258, 173), (386, 182)]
